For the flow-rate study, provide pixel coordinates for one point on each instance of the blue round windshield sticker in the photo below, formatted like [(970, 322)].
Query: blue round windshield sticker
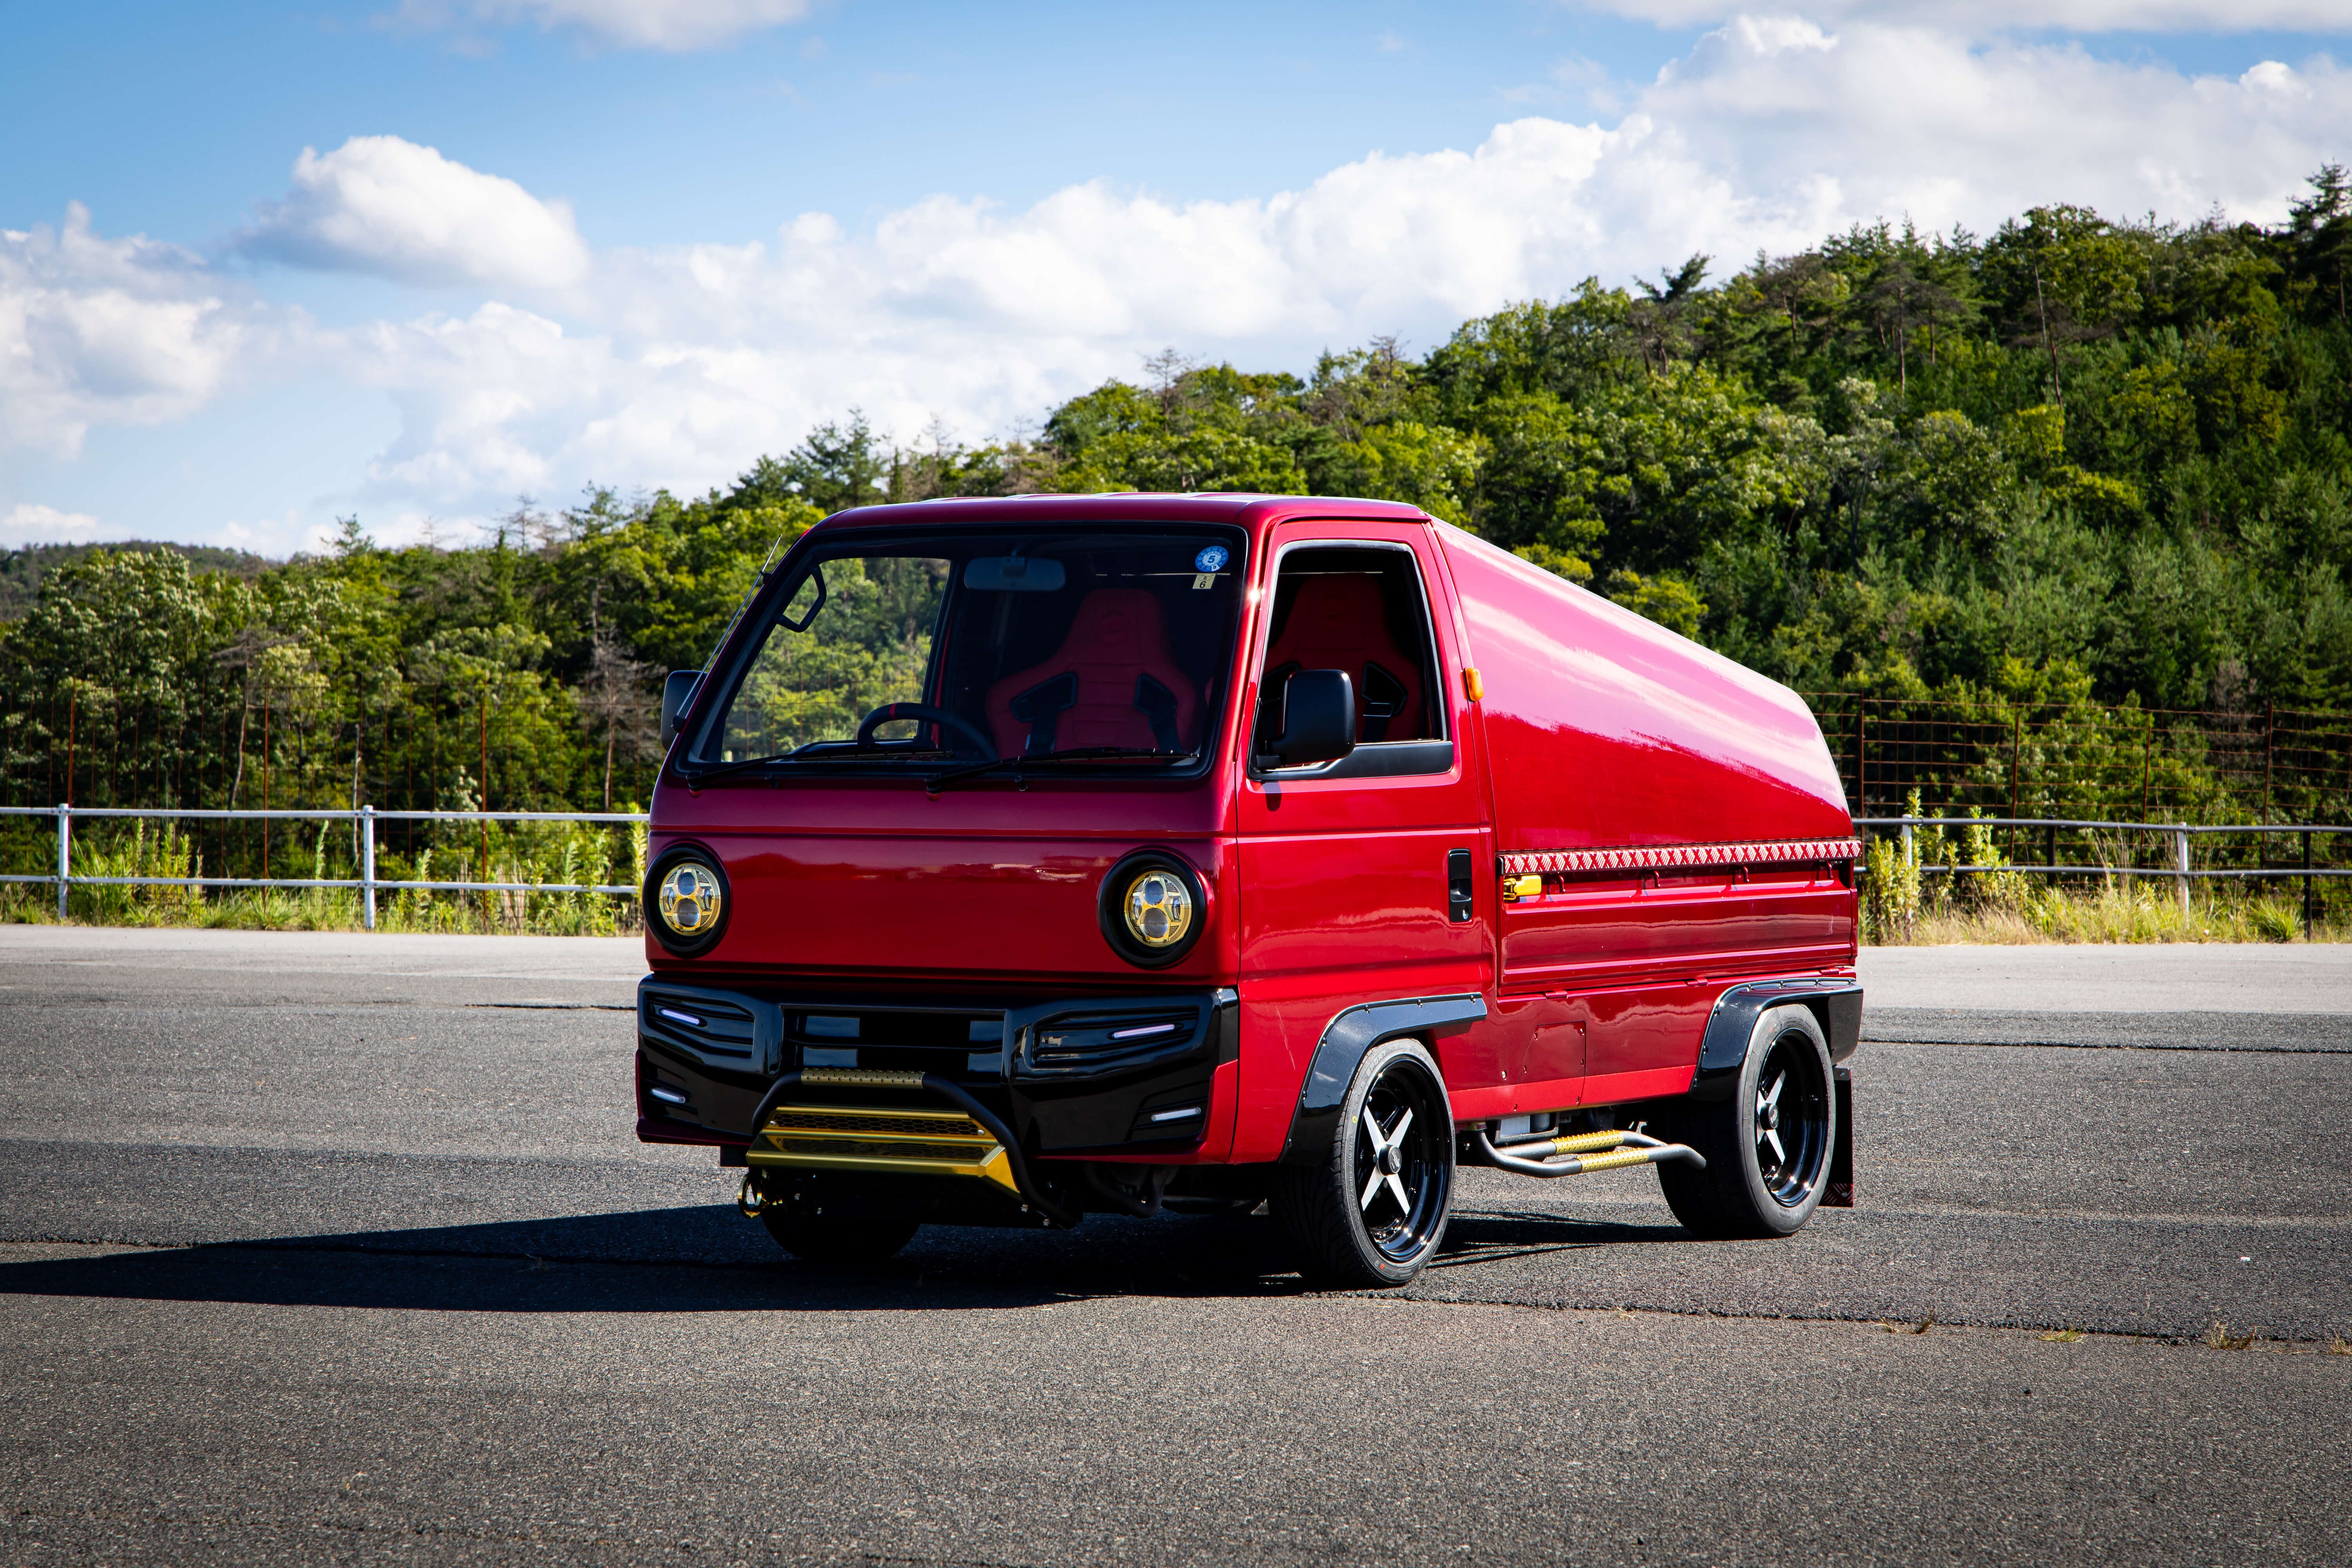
[(1212, 559)]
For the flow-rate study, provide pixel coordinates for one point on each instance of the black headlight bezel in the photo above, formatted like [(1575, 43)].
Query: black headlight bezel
[(703, 941), (1111, 914)]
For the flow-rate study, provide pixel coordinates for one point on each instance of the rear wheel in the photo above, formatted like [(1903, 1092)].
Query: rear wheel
[(1767, 1146), (1373, 1208)]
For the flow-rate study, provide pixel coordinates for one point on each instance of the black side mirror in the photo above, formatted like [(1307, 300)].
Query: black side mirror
[(1318, 718), (677, 690)]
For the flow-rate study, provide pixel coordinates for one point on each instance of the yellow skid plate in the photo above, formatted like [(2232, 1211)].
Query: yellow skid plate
[(907, 1141)]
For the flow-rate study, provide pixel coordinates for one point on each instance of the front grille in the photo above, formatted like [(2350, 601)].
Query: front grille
[(957, 1044), (798, 1119)]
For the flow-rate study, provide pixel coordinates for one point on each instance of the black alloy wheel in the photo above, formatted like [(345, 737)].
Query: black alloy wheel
[(1372, 1210), (1767, 1145), (1789, 1121)]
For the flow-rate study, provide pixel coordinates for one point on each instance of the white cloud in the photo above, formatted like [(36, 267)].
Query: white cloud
[(679, 364), (28, 524), (1980, 17), (119, 332), (674, 24), (382, 204)]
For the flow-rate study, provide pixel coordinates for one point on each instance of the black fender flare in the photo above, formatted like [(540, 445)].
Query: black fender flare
[(1837, 1004), (1349, 1036)]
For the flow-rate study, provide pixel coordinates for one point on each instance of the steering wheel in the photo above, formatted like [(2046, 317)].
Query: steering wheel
[(939, 716)]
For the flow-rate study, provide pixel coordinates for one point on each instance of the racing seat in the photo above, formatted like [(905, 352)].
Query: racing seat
[(1113, 683), (1341, 621)]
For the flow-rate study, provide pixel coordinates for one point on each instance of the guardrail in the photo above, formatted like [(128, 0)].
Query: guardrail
[(2180, 872), (367, 882)]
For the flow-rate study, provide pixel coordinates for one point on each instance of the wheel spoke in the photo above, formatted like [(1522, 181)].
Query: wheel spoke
[(1396, 1133), (1396, 1185), (1373, 1131), (1779, 1156), (1372, 1187), (1770, 1101)]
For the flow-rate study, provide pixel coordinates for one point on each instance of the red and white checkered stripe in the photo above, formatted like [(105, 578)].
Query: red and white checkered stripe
[(1682, 857)]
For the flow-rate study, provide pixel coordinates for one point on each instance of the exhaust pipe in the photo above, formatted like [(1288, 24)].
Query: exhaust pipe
[(1586, 1152)]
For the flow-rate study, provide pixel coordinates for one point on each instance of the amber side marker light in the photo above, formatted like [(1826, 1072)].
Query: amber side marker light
[(1473, 685), (1151, 909)]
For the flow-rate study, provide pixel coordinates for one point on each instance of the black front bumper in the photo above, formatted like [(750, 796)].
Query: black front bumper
[(1125, 1074)]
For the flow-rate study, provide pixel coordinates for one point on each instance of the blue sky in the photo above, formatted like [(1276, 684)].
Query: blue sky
[(265, 264)]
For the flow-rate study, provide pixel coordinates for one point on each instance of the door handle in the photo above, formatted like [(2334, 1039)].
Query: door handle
[(1458, 907)]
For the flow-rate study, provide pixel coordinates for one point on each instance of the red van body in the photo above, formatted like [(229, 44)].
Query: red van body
[(1597, 870)]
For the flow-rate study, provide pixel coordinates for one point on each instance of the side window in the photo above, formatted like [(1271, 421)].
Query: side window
[(1360, 609)]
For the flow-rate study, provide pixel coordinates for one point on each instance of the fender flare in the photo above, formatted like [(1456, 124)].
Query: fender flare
[(1347, 1040), (1837, 1004)]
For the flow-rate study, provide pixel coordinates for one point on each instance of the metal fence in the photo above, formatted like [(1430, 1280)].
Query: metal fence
[(2063, 761), (2118, 854), (367, 883)]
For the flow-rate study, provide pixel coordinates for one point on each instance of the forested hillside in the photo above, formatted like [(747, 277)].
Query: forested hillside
[(2080, 459)]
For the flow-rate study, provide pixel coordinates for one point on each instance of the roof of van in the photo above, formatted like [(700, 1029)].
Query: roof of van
[(1133, 506)]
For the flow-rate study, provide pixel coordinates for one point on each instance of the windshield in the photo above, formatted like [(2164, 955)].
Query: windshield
[(1109, 644)]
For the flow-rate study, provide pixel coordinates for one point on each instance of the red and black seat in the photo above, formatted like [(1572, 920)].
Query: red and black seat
[(1113, 683), (1341, 621)]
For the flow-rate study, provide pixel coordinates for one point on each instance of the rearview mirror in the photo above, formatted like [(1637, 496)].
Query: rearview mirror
[(1014, 574), (677, 690), (1318, 718)]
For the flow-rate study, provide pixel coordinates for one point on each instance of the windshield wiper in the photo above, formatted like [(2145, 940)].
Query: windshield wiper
[(697, 779), (1067, 754)]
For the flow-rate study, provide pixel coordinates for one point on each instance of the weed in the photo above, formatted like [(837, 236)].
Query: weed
[(2336, 1346), (2219, 1337), (2062, 1336)]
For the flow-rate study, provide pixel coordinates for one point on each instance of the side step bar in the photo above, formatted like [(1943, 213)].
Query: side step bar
[(1585, 1152)]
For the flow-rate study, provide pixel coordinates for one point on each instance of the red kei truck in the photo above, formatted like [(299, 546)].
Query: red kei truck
[(1022, 857)]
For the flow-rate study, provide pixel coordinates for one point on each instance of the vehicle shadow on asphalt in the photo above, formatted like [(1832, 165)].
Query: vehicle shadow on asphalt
[(707, 1259)]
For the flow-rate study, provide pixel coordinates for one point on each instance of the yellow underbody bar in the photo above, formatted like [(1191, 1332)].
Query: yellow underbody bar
[(907, 1141)]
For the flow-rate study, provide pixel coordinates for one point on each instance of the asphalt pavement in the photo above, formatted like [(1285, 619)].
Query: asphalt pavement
[(329, 1248)]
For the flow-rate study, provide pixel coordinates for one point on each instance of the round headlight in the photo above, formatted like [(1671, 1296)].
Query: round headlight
[(1158, 909), (1154, 908), (691, 900), (685, 900)]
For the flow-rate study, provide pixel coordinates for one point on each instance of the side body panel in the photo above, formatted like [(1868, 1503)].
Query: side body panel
[(1607, 731)]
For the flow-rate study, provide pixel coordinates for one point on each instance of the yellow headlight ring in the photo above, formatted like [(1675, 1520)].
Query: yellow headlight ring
[(1152, 909), (687, 900)]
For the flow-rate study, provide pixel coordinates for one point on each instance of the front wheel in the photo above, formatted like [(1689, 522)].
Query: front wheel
[(1371, 1208), (1767, 1146)]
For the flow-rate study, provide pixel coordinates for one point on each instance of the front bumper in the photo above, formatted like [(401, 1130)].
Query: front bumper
[(1127, 1075)]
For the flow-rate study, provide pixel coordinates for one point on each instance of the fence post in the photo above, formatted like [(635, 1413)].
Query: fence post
[(367, 867), (1910, 847), (2180, 865), (2306, 884), (65, 854)]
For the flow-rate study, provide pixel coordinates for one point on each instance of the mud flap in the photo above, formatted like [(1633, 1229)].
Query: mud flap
[(1838, 1193)]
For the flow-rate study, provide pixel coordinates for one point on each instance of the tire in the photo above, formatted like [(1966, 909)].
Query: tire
[(1767, 1146), (1354, 1220), (858, 1234)]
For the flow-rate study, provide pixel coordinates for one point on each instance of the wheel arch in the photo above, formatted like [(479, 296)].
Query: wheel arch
[(1347, 1040), (1836, 1005)]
